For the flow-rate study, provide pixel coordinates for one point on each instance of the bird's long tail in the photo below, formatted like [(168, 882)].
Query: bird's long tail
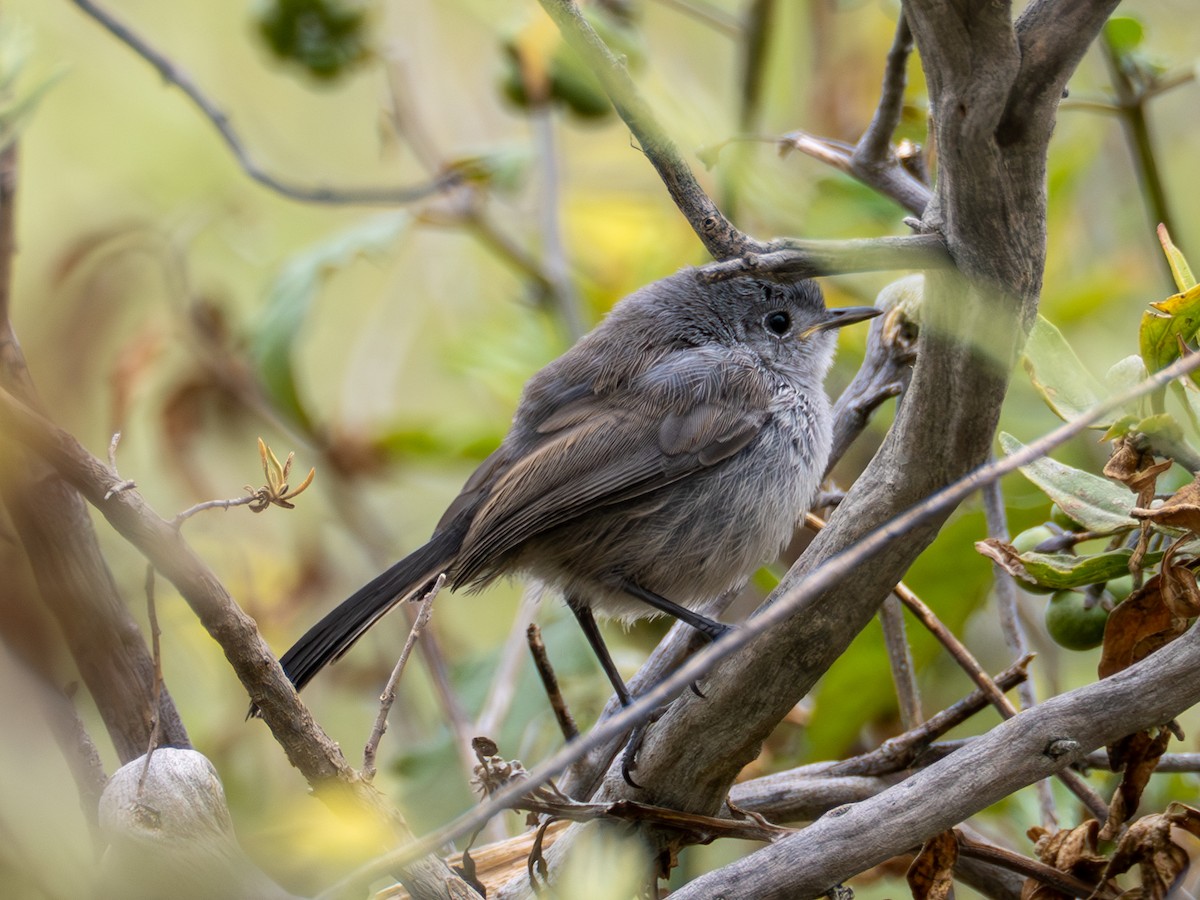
[(338, 630)]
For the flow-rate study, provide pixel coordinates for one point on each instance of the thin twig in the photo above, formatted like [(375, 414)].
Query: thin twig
[(1031, 868), (891, 617), (172, 74), (710, 15), (1131, 100), (389, 692), (793, 258), (969, 664), (902, 750), (182, 517), (555, 263), (1007, 601), (156, 650), (874, 147), (541, 660), (822, 578), (957, 649), (112, 462)]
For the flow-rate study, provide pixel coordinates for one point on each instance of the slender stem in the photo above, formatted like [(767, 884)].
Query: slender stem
[(541, 660), (874, 147), (1131, 101), (388, 697), (1007, 601), (891, 617), (554, 249)]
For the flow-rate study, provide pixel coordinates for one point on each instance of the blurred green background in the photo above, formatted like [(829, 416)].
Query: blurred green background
[(162, 293)]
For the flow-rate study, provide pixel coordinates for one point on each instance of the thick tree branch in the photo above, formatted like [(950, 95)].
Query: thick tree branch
[(1053, 35), (990, 211), (1018, 752)]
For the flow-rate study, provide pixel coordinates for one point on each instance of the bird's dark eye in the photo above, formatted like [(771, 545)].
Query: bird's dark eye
[(778, 322)]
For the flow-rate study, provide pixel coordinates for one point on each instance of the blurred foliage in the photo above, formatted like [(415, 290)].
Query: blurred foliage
[(159, 291), (325, 38)]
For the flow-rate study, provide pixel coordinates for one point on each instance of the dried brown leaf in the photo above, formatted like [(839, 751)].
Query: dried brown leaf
[(1136, 756), (1005, 555), (1179, 589), (1135, 468), (1141, 624), (1148, 844), (1070, 850), (931, 875), (1180, 510)]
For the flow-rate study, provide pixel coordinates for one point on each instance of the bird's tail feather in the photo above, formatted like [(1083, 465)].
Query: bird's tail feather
[(339, 629)]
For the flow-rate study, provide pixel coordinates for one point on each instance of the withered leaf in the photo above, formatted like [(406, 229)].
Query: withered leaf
[(1141, 624), (1147, 844), (1136, 756), (1071, 850), (1180, 510), (931, 875), (1135, 468), (1179, 589)]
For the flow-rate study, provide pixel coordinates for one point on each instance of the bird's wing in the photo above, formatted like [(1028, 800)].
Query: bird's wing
[(686, 414)]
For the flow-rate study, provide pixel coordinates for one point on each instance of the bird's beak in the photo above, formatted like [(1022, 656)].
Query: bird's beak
[(845, 315)]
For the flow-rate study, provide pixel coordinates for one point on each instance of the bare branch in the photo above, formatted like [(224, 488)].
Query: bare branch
[(1010, 756), (891, 618), (562, 714), (791, 258), (1007, 600), (389, 691), (56, 533)]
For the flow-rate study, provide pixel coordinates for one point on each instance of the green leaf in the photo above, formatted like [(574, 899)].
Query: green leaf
[(1068, 388), (1094, 502), (1164, 324), (1065, 570), (290, 298), (1180, 270), (1123, 33), (1060, 571)]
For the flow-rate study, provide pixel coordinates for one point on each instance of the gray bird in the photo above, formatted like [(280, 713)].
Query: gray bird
[(649, 469)]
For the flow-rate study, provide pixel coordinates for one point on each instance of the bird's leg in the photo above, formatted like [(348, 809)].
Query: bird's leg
[(587, 622), (710, 628), (706, 627)]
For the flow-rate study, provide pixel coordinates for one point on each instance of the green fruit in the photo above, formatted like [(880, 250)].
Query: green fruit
[(572, 83), (1071, 624), (1062, 520), (1028, 539), (1119, 588)]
